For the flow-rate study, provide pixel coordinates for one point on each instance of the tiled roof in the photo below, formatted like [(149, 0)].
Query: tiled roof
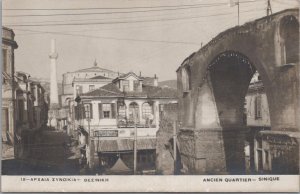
[(110, 90), (93, 69), (148, 81), (123, 76), (99, 77), (159, 92)]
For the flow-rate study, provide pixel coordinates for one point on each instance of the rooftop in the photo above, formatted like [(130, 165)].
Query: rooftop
[(111, 90)]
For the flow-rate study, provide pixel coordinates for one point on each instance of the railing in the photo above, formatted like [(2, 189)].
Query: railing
[(128, 123)]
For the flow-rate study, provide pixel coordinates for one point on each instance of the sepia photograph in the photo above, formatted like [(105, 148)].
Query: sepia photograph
[(150, 95)]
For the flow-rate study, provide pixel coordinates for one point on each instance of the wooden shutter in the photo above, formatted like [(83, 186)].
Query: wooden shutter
[(100, 111), (83, 111), (91, 110), (113, 111)]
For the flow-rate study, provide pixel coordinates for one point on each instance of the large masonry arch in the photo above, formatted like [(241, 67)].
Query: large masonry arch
[(210, 110)]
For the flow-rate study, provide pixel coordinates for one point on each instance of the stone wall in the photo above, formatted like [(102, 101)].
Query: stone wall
[(212, 151), (164, 145)]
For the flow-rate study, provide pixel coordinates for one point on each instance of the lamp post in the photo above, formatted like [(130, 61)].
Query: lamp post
[(88, 116), (135, 144), (174, 146)]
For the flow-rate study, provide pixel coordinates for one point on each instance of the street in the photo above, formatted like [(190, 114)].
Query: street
[(54, 154)]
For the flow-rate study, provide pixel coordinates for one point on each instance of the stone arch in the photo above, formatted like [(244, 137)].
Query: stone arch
[(216, 125), (230, 74)]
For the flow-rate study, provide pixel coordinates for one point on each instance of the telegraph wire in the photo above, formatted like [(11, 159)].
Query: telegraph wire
[(133, 27), (113, 38), (116, 22), (104, 13), (118, 12), (107, 8), (99, 19), (119, 22), (116, 8)]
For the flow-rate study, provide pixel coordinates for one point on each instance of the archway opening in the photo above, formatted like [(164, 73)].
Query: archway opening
[(232, 77)]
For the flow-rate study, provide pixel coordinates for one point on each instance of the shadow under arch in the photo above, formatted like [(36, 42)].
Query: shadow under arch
[(230, 74)]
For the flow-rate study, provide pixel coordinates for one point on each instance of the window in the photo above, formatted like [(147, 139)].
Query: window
[(88, 111), (147, 111), (78, 90), (4, 61), (91, 87), (125, 85), (133, 111), (289, 33), (186, 79), (136, 85), (257, 107), (122, 112), (107, 111)]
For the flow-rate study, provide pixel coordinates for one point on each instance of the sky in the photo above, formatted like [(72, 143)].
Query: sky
[(147, 36)]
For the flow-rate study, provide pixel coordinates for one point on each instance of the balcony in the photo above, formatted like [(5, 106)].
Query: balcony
[(129, 123)]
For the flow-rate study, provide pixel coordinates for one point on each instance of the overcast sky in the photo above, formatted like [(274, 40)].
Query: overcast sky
[(152, 36)]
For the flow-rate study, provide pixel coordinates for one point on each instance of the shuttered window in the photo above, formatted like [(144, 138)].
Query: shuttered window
[(258, 107), (106, 108), (113, 111), (88, 109), (100, 111), (107, 111)]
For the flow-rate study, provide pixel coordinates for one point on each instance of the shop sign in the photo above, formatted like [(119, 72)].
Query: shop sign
[(106, 133)]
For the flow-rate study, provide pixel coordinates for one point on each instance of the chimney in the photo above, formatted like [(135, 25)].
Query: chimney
[(140, 74), (155, 82)]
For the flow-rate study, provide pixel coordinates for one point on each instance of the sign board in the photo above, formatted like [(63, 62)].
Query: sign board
[(106, 133)]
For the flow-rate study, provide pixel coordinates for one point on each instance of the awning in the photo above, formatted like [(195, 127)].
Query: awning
[(120, 145), (119, 167)]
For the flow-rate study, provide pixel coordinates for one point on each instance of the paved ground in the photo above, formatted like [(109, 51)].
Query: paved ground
[(54, 154)]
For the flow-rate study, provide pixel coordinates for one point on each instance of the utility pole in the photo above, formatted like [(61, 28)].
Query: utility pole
[(134, 144), (269, 8), (238, 6), (233, 3), (174, 146)]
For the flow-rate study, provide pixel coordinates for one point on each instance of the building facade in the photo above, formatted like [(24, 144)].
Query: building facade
[(76, 83), (8, 92), (31, 113), (108, 117), (82, 75), (257, 118)]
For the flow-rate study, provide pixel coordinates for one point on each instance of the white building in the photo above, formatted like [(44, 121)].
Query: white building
[(70, 78), (108, 117)]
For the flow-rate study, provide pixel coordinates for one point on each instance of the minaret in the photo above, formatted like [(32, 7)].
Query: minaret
[(53, 81)]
